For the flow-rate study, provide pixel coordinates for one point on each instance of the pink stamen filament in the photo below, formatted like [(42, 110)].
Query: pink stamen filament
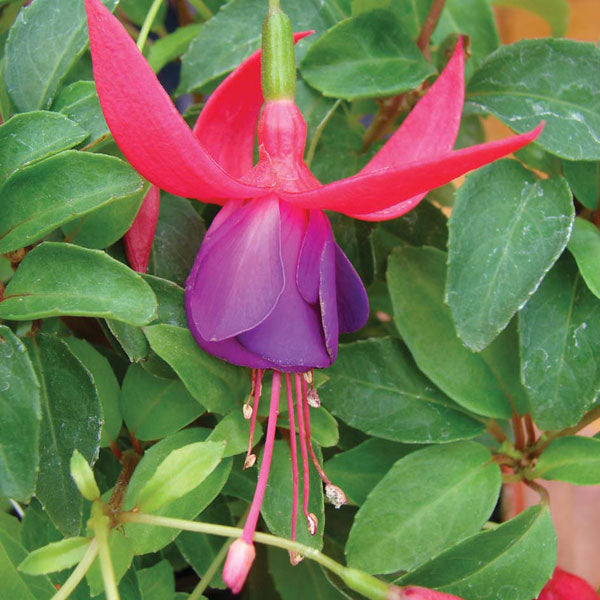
[(305, 492), (263, 476), (306, 410), (293, 450), (257, 389)]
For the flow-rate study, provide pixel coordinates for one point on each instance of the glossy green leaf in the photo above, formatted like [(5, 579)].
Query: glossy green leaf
[(154, 407), (416, 278), (37, 199), (234, 429), (60, 279), (535, 157), (365, 56), (37, 529), (575, 459), (34, 136), (584, 180), (277, 506), (551, 80), (358, 470), (66, 426), (173, 45), (171, 308), (410, 13), (178, 235), (147, 538), (560, 347), (428, 501), (376, 387), (182, 471), (506, 231), (131, 339), (20, 423), (45, 41), (556, 12), (157, 582), (234, 33), (55, 556), (121, 553), (511, 562), (79, 101), (315, 108), (585, 247), (106, 384), (217, 385)]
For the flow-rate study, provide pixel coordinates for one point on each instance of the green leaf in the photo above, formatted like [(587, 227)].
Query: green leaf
[(560, 347), (473, 18), (277, 506), (428, 501), (376, 387), (157, 582), (147, 538), (121, 553), (177, 238), (60, 279), (171, 308), (585, 247), (79, 101), (551, 80), (234, 33), (314, 108), (410, 13), (55, 557), (535, 157), (170, 47), (584, 180), (575, 459), (37, 199), (359, 470), (106, 384), (45, 41), (132, 339), (366, 56), (20, 423), (506, 231), (234, 429), (511, 562), (19, 585), (37, 529), (306, 580), (66, 426), (416, 278), (154, 407), (555, 12), (217, 385), (33, 136)]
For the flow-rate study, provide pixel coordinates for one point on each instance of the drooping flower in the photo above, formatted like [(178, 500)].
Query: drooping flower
[(270, 288)]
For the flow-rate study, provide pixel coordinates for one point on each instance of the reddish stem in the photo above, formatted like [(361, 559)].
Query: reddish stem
[(306, 409), (305, 492), (519, 433), (257, 389), (263, 476), (136, 444), (294, 453), (429, 27), (530, 430)]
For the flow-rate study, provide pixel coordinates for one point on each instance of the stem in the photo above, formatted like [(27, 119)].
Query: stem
[(542, 491), (145, 30), (530, 430), (79, 572), (310, 154), (304, 453), (496, 431), (101, 528), (129, 461), (293, 453), (202, 9), (429, 27), (519, 432)]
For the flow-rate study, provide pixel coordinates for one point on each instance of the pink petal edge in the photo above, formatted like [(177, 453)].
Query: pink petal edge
[(139, 238)]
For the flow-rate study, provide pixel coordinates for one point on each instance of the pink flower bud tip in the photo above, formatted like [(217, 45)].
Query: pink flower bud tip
[(417, 593), (566, 586), (237, 566)]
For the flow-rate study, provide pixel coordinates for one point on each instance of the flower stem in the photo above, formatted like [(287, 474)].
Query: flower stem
[(433, 16), (78, 573), (100, 524), (202, 9), (310, 154), (369, 586), (145, 30)]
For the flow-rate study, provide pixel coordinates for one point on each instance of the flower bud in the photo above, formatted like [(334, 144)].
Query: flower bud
[(239, 560), (335, 495), (83, 477)]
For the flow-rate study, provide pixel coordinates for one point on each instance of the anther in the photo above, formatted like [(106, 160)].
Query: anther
[(247, 409), (335, 495), (312, 523), (250, 461), (308, 377), (295, 558), (313, 398)]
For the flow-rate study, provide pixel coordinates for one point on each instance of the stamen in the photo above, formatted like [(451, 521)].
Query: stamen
[(263, 476), (256, 389), (305, 490), (308, 377), (247, 408), (295, 558), (313, 398)]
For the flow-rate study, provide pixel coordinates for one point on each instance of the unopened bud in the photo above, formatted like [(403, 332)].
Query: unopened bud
[(313, 398), (295, 558), (249, 462), (308, 377), (335, 495), (247, 410), (312, 523), (83, 476), (239, 560)]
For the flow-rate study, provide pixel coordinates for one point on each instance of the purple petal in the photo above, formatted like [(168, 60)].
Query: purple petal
[(238, 274), (307, 274), (328, 296), (352, 299)]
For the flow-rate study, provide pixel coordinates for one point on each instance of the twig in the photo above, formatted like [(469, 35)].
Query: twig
[(429, 27), (519, 432)]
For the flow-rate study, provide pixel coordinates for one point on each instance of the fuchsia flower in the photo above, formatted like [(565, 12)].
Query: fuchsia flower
[(270, 288), (566, 586)]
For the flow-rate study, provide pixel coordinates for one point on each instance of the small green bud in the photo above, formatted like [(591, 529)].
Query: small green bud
[(278, 67), (83, 476), (365, 584)]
